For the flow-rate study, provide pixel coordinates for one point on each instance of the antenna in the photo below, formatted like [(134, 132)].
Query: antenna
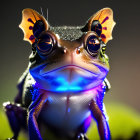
[(47, 14), (41, 11)]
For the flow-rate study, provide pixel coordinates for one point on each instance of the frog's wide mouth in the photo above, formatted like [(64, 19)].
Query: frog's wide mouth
[(68, 77), (44, 72)]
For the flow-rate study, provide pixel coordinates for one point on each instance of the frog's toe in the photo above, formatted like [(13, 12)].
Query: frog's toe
[(82, 136), (11, 139), (7, 105)]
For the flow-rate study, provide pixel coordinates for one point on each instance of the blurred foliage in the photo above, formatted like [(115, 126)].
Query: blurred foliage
[(124, 124)]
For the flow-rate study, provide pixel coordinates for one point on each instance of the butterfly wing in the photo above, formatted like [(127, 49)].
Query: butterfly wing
[(29, 18), (105, 17)]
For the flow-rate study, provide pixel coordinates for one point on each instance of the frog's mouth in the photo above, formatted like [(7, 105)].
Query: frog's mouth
[(71, 69), (69, 78)]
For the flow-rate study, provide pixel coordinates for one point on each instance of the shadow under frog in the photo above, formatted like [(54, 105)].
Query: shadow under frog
[(65, 82)]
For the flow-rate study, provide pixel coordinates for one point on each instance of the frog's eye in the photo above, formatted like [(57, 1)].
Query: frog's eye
[(45, 44), (93, 45)]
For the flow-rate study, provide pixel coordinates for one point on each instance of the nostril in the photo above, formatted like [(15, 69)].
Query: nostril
[(65, 50), (78, 51)]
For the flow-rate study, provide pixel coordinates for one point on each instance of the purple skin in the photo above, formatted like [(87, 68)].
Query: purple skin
[(63, 88), (17, 116)]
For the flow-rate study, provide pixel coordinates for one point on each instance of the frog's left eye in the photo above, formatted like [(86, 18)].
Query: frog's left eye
[(93, 45), (45, 44)]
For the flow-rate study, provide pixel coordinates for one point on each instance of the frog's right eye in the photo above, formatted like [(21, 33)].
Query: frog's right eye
[(92, 45), (45, 44)]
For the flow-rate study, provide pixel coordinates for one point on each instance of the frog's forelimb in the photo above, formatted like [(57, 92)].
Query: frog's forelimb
[(34, 110), (101, 120)]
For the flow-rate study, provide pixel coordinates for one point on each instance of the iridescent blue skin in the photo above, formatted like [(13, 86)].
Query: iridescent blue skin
[(62, 89)]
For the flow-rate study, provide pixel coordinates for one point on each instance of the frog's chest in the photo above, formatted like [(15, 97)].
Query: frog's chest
[(67, 111)]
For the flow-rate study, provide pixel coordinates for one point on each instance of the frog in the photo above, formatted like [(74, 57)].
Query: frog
[(63, 87)]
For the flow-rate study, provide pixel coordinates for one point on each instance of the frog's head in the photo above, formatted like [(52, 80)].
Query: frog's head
[(68, 58)]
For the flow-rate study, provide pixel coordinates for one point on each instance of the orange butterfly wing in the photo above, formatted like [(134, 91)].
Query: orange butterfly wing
[(105, 17), (29, 17)]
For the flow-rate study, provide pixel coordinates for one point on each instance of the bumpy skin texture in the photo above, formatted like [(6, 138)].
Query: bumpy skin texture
[(65, 82)]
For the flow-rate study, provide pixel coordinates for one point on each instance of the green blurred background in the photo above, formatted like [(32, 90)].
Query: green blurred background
[(123, 100)]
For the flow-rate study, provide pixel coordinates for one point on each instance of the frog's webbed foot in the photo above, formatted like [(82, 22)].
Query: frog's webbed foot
[(11, 138), (82, 136), (16, 116)]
